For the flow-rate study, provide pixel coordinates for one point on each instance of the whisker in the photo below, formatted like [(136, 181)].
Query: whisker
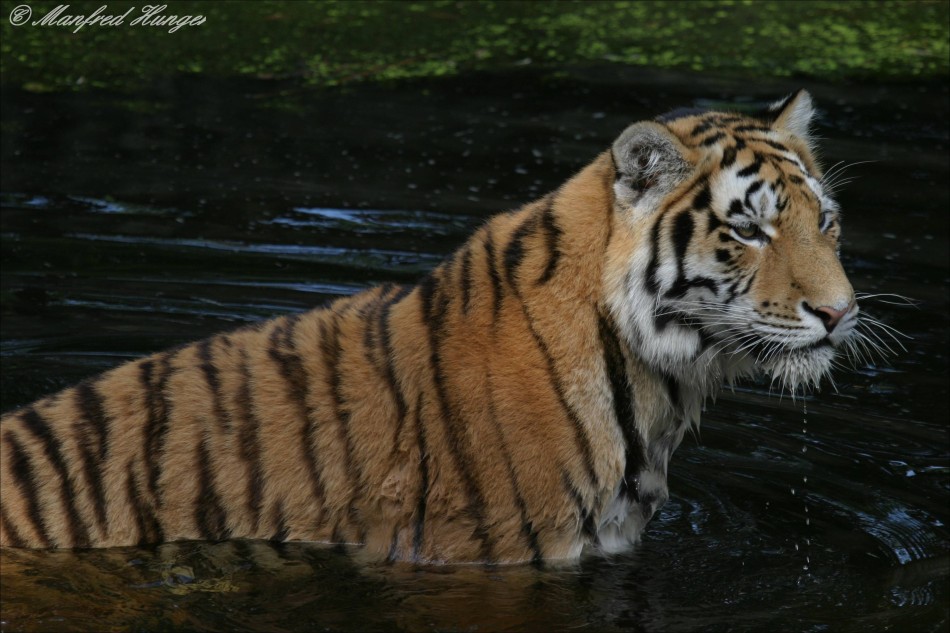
[(900, 299)]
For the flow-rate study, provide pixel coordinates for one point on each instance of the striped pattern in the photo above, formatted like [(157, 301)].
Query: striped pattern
[(394, 418), (502, 410)]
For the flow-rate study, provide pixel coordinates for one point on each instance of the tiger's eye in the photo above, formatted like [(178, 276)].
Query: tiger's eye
[(746, 231)]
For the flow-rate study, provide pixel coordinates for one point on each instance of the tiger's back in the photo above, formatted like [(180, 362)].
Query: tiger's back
[(343, 424), (520, 403)]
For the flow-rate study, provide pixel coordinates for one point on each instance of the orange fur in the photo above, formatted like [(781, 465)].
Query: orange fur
[(473, 417)]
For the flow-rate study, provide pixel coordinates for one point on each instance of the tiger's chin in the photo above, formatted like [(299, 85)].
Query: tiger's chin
[(798, 369)]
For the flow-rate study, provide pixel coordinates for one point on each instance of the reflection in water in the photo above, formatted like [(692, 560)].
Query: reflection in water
[(124, 234), (229, 585)]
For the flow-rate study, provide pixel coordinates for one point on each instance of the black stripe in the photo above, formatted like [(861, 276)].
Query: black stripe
[(703, 198), (434, 305), (552, 237), (660, 321), (580, 435), (331, 354), (369, 320), (337, 537), (752, 168), (750, 191), (249, 446), (150, 531), (23, 475), (735, 208), (615, 365), (90, 406), (700, 127), (210, 517), (423, 484), (731, 291), (776, 145), (584, 514), (772, 112), (514, 252), (13, 536), (731, 118), (391, 556), (728, 157), (778, 159), (748, 284), (292, 371), (712, 140), (651, 280), (682, 235), (527, 526), (466, 279), (673, 389), (39, 427), (385, 340), (368, 317), (682, 285), (493, 275), (281, 531), (214, 383), (156, 428), (750, 127), (781, 202)]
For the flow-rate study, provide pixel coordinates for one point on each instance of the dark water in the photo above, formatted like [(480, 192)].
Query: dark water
[(133, 223)]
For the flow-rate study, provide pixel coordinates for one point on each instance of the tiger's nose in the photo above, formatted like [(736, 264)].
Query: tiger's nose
[(828, 315)]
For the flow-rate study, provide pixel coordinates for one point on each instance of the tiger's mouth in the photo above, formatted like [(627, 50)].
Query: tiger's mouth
[(790, 366)]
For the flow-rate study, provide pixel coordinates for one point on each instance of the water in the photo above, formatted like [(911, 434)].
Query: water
[(131, 223)]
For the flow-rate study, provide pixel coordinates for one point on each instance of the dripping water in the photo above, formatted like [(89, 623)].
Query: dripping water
[(805, 549)]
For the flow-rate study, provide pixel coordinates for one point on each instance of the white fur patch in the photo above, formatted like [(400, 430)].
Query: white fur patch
[(797, 116)]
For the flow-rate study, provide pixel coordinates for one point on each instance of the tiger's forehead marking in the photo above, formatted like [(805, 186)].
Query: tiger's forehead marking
[(757, 174)]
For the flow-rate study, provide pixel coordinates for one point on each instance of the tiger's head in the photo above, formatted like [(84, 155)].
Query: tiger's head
[(730, 264)]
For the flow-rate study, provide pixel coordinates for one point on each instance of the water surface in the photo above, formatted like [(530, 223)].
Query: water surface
[(131, 223)]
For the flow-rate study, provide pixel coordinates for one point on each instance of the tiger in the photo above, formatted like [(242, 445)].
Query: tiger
[(519, 404)]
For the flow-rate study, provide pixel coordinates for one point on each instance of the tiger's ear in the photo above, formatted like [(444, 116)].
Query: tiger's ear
[(793, 114), (650, 164)]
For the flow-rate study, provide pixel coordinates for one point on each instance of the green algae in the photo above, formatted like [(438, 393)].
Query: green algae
[(330, 43)]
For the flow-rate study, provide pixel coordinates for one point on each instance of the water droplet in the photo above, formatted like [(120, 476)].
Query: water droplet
[(805, 567)]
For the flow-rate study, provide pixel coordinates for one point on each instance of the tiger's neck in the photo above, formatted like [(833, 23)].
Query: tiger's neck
[(666, 371)]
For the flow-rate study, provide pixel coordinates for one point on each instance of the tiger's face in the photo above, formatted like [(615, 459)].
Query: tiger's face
[(781, 296), (736, 267)]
